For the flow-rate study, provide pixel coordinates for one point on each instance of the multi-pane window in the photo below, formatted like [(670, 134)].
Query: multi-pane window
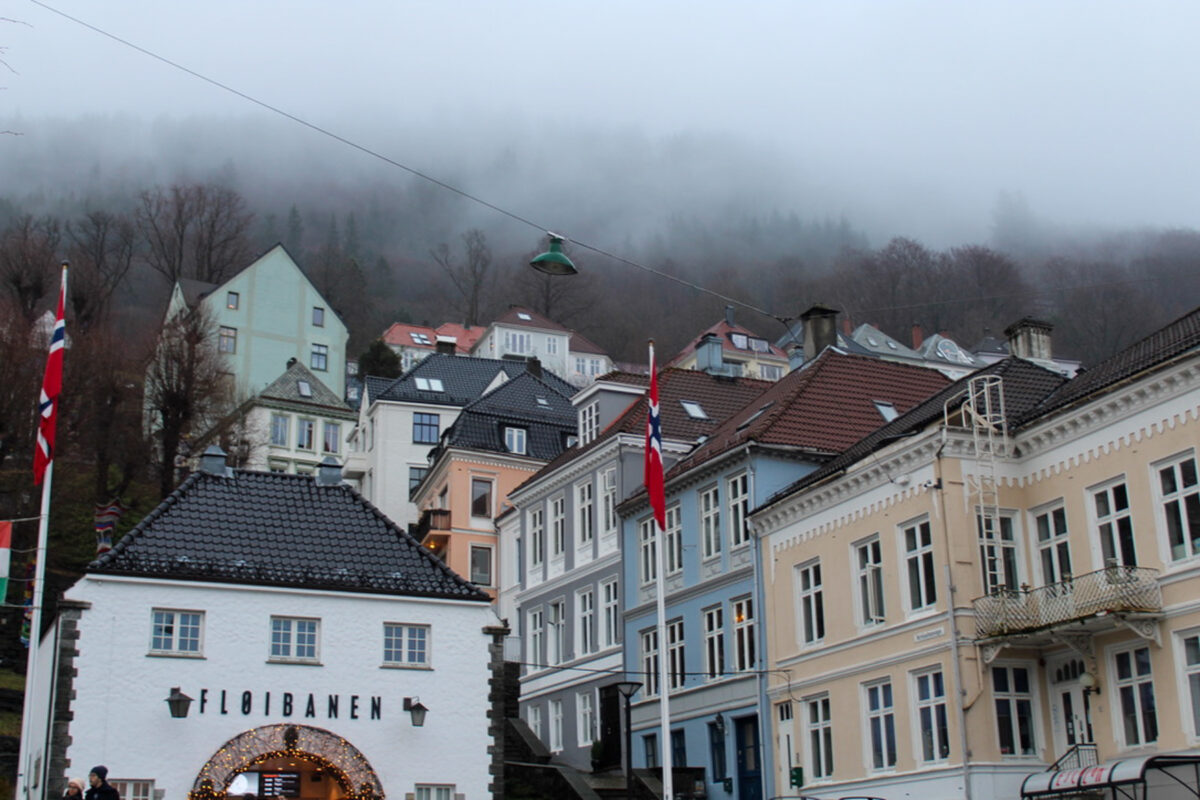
[(294, 639), (552, 345), (716, 747), (319, 359), (537, 536), (1054, 548), (676, 669), (738, 496), (558, 525), (1114, 524), (533, 718), (612, 614), (585, 521), (881, 722), (279, 430), (556, 726), (679, 747), (515, 342), (650, 661), (585, 623), (227, 340), (710, 521), (609, 500), (869, 560), (304, 433), (481, 565), (585, 718), (1181, 505), (820, 737), (175, 632), (425, 428), (931, 716), (556, 631), (673, 537), (333, 437), (405, 645), (647, 562), (232, 300), (812, 602), (318, 317), (135, 790), (481, 497), (918, 557), (714, 642), (514, 440), (1135, 687), (537, 636), (1014, 710), (997, 553), (415, 476), (744, 655), (434, 791), (1191, 668), (650, 749), (589, 422)]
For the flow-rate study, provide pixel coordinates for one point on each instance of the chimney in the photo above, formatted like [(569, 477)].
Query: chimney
[(534, 367), (795, 357), (291, 361), (820, 330), (710, 357), (917, 336), (447, 345), (329, 473), (729, 316), (847, 326), (1029, 338), (213, 461)]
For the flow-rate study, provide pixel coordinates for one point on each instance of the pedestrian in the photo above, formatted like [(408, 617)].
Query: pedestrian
[(100, 790), (74, 790)]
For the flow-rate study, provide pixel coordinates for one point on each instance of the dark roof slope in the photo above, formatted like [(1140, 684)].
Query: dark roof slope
[(823, 408), (1024, 385), (1174, 339), (262, 528), (286, 389), (463, 379), (525, 402)]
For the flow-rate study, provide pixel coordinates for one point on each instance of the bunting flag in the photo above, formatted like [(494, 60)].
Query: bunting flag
[(107, 515), (5, 558), (43, 454), (27, 621), (654, 456)]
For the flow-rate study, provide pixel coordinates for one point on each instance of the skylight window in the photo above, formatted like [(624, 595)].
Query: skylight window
[(305, 388), (524, 316), (739, 340), (892, 345), (693, 409), (543, 402), (430, 384), (420, 338), (886, 410), (871, 340)]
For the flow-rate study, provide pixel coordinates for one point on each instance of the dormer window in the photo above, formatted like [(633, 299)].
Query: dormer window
[(739, 340), (430, 384), (515, 440), (304, 388), (693, 409), (759, 345), (886, 410)]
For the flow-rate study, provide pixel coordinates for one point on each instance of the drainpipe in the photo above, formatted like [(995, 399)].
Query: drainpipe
[(760, 645), (951, 624)]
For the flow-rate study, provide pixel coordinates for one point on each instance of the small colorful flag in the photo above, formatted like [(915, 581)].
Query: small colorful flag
[(43, 454), (5, 557), (107, 515), (654, 457)]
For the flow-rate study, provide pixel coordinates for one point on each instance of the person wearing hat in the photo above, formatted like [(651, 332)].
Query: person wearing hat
[(74, 790), (100, 790)]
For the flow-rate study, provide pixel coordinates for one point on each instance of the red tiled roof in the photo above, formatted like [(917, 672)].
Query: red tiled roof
[(400, 335), (465, 336), (824, 407)]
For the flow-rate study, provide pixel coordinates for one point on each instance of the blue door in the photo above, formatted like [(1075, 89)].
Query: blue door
[(749, 765)]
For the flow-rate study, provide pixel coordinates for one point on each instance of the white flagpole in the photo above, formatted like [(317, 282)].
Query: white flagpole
[(664, 704), (24, 767)]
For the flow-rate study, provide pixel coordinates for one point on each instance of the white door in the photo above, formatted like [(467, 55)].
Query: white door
[(1070, 706)]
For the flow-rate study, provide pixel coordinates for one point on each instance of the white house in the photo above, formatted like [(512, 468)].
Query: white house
[(272, 634)]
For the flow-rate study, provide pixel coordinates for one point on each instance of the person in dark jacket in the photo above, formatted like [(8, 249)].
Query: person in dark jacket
[(100, 790)]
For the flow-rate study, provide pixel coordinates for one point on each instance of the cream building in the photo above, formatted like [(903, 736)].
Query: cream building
[(996, 589)]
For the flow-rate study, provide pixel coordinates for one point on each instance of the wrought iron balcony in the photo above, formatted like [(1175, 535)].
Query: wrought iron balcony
[(1112, 589)]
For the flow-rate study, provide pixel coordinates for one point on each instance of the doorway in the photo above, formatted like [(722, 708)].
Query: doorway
[(749, 764), (1070, 705)]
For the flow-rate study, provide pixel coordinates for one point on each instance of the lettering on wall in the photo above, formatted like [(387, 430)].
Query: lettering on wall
[(289, 705)]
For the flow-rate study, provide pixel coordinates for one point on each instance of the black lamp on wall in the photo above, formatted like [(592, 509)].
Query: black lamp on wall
[(178, 703), (413, 706)]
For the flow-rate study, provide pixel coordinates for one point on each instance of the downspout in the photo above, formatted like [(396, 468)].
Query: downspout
[(760, 639), (951, 623)]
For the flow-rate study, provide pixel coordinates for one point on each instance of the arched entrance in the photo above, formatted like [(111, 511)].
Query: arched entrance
[(288, 761)]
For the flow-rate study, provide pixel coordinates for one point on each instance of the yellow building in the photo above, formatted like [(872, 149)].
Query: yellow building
[(1004, 581)]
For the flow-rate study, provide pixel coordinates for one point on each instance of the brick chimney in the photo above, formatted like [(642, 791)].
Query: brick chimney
[(820, 330), (534, 367), (918, 336), (1029, 338)]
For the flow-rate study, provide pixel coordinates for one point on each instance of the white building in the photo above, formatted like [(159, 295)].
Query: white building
[(303, 626)]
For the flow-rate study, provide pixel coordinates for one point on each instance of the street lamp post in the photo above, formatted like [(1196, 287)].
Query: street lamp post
[(628, 689)]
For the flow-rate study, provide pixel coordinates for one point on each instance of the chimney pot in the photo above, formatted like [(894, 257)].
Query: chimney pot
[(213, 461), (710, 356), (534, 367), (1029, 338), (446, 345), (729, 315), (918, 336), (820, 330)]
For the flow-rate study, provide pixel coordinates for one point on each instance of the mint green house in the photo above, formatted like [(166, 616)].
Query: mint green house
[(266, 314)]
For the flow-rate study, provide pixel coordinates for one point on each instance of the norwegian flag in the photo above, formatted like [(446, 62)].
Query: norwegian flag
[(43, 453), (654, 456)]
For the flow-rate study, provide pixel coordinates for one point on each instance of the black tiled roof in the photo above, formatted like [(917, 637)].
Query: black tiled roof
[(270, 529), (463, 379), (515, 403)]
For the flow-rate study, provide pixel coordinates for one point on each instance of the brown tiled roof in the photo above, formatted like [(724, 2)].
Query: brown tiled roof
[(582, 344), (1164, 344), (465, 336), (536, 320), (824, 407)]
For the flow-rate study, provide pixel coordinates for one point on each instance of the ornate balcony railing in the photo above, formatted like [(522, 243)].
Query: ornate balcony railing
[(1114, 588)]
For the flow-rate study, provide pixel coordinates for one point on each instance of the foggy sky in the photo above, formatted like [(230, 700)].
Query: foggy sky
[(909, 118)]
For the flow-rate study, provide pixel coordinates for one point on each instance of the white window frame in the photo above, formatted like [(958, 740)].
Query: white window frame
[(306, 434), (537, 536), (589, 421), (676, 656), (818, 736), (999, 554), (1051, 536), (287, 651), (879, 706), (714, 643), (1106, 527), (810, 603), (515, 440), (608, 484), (170, 633), (558, 526), (434, 791), (132, 788), (585, 717), (647, 560), (673, 536), (585, 512), (537, 639), (280, 428), (331, 444), (556, 632), (710, 521), (869, 572), (920, 561), (648, 640), (585, 621), (556, 726), (1172, 506), (1015, 699), (411, 645), (745, 654), (610, 595), (533, 718), (1187, 668), (737, 497), (1129, 690), (939, 716)]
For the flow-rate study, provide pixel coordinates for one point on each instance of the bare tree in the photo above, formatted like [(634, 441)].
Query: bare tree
[(20, 373), (186, 387), (28, 261), (101, 253), (471, 276), (194, 231)]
